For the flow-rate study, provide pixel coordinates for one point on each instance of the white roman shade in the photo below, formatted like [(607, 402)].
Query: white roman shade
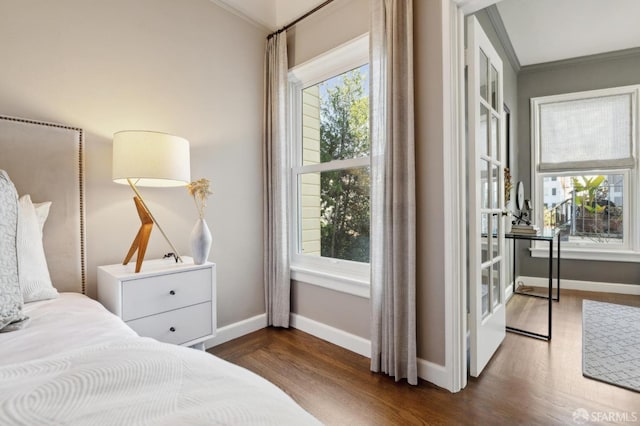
[(588, 133)]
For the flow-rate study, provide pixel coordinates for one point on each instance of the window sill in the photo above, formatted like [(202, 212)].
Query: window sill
[(354, 285), (577, 253)]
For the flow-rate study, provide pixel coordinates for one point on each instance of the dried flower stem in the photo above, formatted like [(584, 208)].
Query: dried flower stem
[(199, 190), (507, 185)]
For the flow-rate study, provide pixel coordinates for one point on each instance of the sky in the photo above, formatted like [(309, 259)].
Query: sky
[(334, 81)]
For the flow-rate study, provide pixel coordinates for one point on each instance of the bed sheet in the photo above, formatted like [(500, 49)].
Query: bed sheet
[(68, 322), (78, 364)]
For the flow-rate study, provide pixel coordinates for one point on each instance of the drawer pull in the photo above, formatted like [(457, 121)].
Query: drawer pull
[(172, 329), (173, 293)]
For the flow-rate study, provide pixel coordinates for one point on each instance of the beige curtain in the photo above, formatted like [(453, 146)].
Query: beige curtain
[(393, 218), (276, 184)]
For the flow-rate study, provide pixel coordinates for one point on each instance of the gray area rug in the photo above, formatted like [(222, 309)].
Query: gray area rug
[(611, 343)]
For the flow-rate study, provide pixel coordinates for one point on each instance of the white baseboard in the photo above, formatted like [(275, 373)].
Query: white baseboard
[(237, 329), (437, 374), (346, 340), (429, 371), (434, 373), (582, 285)]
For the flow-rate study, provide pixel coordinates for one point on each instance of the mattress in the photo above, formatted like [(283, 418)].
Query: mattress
[(76, 363)]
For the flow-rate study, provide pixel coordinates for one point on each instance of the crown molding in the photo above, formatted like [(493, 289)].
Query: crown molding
[(468, 7), (599, 57), (230, 6), (503, 36)]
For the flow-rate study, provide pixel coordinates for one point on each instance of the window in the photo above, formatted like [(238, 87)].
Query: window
[(330, 169), (591, 210), (585, 163)]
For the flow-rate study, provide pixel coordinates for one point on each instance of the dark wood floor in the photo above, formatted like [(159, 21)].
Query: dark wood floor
[(528, 381)]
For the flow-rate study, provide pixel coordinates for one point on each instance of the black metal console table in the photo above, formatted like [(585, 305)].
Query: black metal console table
[(548, 235)]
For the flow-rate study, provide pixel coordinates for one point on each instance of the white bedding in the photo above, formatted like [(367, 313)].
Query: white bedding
[(76, 363), (71, 321)]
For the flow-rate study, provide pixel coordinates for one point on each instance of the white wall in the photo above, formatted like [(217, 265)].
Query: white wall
[(288, 10), (331, 26), (185, 67)]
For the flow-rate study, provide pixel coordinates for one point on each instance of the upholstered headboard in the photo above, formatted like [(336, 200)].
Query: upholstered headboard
[(46, 161)]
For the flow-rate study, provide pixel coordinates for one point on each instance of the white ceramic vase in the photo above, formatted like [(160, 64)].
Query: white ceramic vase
[(200, 241)]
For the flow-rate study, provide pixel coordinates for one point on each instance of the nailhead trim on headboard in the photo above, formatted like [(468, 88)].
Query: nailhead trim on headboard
[(80, 183)]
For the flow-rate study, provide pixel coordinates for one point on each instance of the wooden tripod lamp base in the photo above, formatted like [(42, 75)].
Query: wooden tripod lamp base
[(141, 240), (152, 159)]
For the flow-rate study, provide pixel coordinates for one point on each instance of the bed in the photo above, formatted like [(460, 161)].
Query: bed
[(76, 363)]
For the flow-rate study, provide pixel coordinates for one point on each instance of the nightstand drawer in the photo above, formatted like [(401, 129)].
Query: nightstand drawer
[(152, 295), (177, 327)]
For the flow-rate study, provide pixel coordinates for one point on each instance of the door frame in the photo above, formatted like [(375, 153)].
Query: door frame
[(455, 188)]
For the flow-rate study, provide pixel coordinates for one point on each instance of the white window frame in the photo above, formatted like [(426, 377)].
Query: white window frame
[(336, 274), (629, 250)]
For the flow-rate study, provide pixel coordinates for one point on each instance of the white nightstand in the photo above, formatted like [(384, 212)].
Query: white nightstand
[(171, 302)]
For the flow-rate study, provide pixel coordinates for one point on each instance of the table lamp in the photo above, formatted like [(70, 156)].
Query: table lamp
[(151, 159)]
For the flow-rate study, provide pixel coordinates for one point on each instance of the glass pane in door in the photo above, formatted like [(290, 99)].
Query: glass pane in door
[(494, 88), (495, 184), (495, 248), (485, 291), (484, 184), (495, 282), (485, 237), (484, 70), (483, 132), (495, 134)]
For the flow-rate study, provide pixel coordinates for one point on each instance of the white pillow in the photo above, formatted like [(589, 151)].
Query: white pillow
[(42, 212), (11, 315), (33, 271)]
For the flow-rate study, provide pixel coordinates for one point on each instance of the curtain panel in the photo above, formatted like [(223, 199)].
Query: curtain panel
[(393, 205), (276, 184)]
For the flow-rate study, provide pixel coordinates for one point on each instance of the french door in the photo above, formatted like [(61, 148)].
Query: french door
[(486, 153)]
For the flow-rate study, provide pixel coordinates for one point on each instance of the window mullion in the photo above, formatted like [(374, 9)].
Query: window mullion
[(333, 165)]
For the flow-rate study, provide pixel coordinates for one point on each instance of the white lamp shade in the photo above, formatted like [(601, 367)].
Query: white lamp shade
[(150, 159)]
